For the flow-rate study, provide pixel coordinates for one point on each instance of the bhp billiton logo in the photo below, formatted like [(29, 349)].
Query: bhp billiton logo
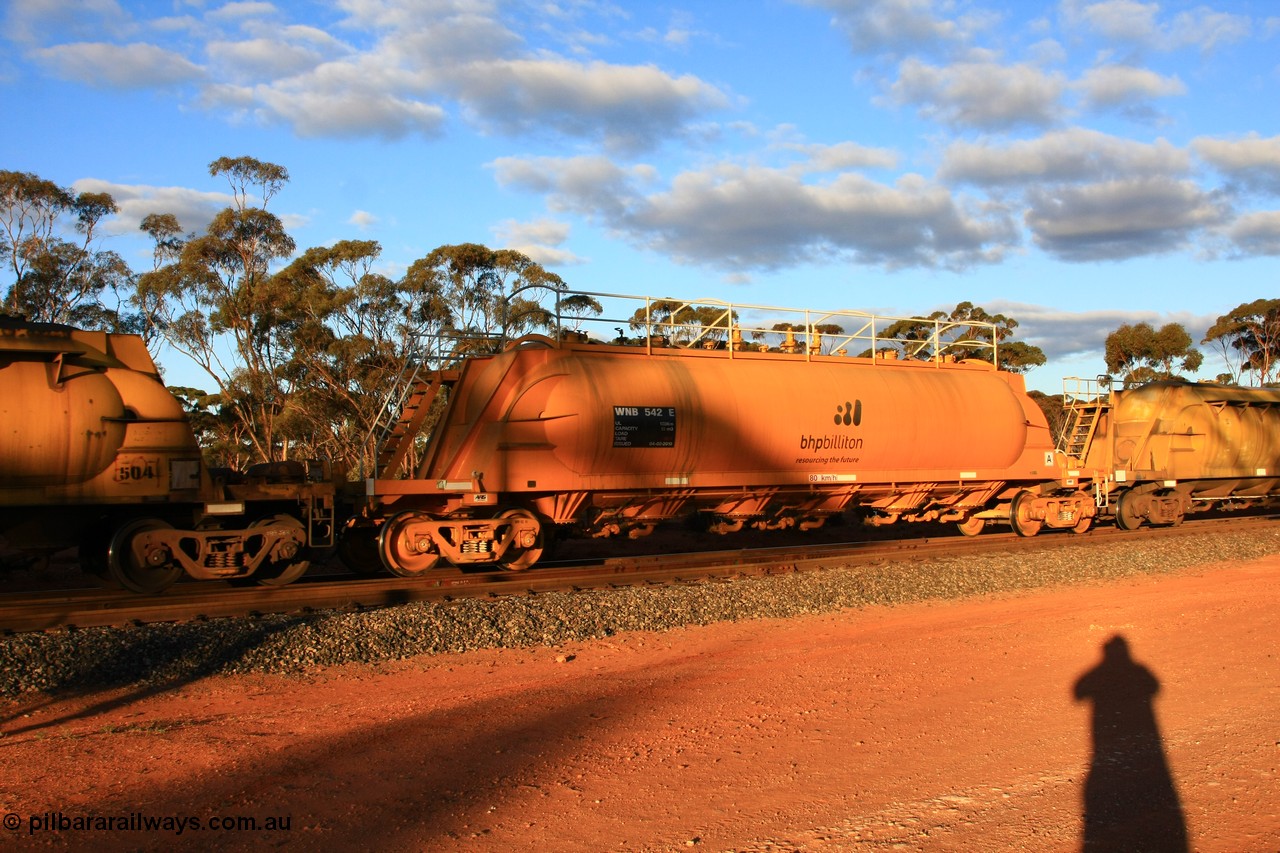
[(847, 414), (850, 414)]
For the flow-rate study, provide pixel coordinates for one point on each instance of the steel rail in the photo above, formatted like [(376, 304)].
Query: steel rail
[(73, 609)]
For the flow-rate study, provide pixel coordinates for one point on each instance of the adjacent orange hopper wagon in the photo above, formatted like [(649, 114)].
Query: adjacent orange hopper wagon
[(600, 439), (1164, 449)]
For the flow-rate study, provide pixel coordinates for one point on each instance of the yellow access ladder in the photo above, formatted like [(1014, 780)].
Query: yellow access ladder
[(1085, 401)]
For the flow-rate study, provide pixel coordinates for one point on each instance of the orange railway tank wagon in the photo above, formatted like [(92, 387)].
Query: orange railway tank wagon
[(726, 413), (95, 452)]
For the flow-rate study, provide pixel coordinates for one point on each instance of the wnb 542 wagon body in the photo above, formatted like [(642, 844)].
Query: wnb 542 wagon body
[(599, 439)]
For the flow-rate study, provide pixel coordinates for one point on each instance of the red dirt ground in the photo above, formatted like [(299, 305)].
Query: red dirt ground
[(945, 726)]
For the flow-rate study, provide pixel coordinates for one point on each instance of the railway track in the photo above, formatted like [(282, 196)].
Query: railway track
[(83, 608)]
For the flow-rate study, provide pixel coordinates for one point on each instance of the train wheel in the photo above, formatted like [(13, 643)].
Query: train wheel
[(972, 525), (1020, 515), (404, 553), (150, 573), (287, 570), (358, 550), (1127, 517), (523, 554)]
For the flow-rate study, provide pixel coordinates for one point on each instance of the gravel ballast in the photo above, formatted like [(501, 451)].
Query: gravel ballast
[(171, 654)]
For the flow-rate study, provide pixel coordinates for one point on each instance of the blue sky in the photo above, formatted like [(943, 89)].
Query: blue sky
[(1074, 165)]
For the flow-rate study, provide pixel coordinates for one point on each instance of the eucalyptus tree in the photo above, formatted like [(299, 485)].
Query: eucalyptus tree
[(1248, 338), (967, 331), (48, 237), (1141, 353), (658, 317), (714, 322), (215, 300), (355, 340), (479, 297), (683, 323), (577, 307), (359, 338)]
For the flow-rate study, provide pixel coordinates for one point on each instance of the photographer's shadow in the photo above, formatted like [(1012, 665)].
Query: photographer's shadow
[(1130, 801)]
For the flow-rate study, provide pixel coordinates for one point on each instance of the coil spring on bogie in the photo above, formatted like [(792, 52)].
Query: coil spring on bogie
[(224, 560), (477, 546)]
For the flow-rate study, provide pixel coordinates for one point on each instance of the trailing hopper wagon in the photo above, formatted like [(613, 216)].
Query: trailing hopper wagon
[(747, 415), (95, 452), (1159, 451)]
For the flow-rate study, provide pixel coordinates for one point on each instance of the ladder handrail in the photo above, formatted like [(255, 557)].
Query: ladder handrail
[(1085, 400)]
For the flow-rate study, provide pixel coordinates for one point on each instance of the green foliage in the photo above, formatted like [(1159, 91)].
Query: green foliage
[(47, 237), (1020, 356), (1248, 338), (966, 332), (1140, 353), (681, 324), (356, 335), (483, 297), (216, 427), (1054, 413), (317, 344), (216, 295), (577, 307), (245, 172), (650, 320)]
